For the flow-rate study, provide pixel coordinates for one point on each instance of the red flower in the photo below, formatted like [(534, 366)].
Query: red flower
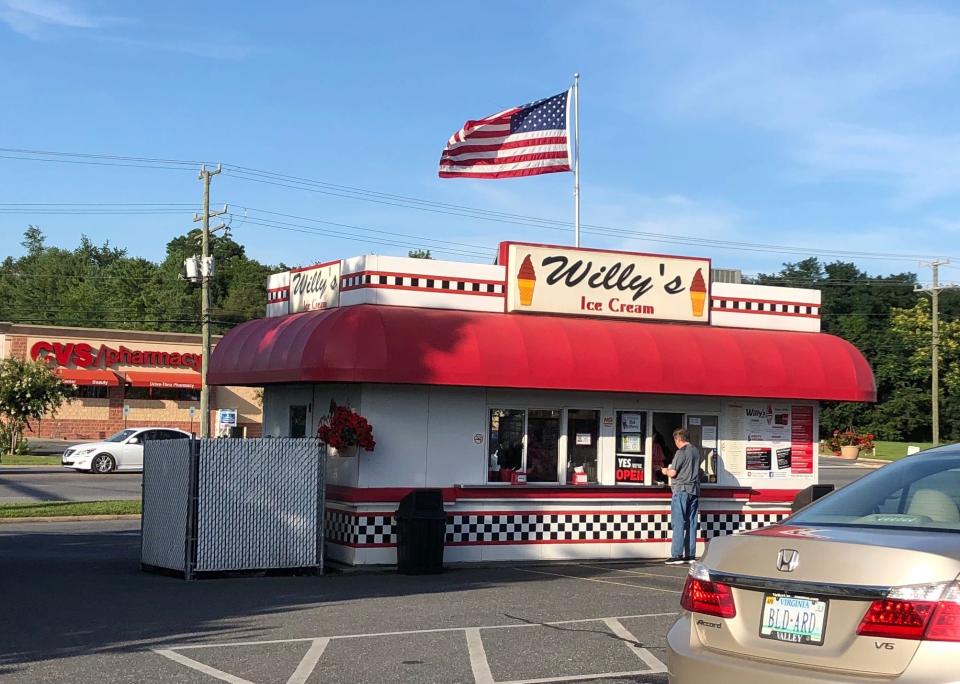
[(344, 427)]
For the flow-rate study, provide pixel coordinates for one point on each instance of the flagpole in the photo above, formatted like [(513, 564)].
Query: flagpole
[(576, 160)]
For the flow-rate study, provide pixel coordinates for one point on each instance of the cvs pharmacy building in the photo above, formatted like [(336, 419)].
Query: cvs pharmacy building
[(539, 394), (125, 378)]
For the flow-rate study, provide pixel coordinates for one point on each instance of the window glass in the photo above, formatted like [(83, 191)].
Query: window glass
[(92, 392), (543, 445), (298, 421), (583, 430), (921, 492), (505, 444), (120, 436), (631, 462), (158, 393)]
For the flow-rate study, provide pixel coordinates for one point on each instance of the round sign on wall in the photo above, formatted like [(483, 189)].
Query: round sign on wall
[(478, 438)]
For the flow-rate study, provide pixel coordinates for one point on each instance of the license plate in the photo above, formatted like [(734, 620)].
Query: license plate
[(798, 619)]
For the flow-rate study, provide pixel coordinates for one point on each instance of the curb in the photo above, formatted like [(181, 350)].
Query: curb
[(68, 518)]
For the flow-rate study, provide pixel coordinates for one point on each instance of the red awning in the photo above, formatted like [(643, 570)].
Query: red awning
[(383, 344), (163, 380), (79, 376)]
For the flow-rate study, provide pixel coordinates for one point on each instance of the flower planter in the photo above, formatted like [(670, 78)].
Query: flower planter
[(850, 452), (345, 452)]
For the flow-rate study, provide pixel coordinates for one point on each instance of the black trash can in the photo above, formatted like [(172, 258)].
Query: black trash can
[(421, 532)]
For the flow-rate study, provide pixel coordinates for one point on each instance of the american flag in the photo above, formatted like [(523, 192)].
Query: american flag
[(521, 141)]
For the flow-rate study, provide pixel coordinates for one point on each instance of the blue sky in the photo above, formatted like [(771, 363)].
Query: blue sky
[(804, 125)]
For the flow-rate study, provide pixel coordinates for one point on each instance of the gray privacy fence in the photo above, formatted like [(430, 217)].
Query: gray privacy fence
[(220, 505)]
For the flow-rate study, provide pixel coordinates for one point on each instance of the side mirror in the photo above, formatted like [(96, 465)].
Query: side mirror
[(133, 440), (809, 495)]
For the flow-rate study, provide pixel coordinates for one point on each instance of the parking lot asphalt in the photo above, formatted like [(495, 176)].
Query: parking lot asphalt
[(79, 609)]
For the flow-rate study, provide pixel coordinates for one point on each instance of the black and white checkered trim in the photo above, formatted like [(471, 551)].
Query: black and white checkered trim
[(278, 295), (513, 528), (362, 529), (438, 283), (721, 304), (718, 524)]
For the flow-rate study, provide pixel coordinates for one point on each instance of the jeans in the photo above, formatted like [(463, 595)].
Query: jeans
[(683, 519)]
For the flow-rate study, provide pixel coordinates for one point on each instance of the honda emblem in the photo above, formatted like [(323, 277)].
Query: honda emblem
[(788, 560)]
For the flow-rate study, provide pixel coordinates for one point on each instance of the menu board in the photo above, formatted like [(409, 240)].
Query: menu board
[(758, 458), (801, 440), (768, 439)]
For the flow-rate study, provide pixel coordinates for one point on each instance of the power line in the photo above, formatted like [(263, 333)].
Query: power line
[(361, 194)]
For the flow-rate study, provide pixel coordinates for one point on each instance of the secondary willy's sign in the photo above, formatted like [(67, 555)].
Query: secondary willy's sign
[(564, 280), (314, 288)]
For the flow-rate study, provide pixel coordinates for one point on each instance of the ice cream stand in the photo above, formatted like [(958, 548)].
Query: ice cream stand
[(539, 391)]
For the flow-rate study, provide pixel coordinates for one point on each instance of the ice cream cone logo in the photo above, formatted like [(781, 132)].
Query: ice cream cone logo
[(526, 281), (698, 293)]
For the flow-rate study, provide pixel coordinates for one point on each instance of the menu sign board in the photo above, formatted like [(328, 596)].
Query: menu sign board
[(564, 280), (801, 440), (770, 439), (315, 287)]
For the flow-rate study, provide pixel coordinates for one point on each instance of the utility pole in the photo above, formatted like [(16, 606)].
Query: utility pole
[(934, 292), (206, 272)]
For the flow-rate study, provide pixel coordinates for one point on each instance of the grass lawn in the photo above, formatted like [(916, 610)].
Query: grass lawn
[(891, 451), (28, 460), (39, 509), (886, 451)]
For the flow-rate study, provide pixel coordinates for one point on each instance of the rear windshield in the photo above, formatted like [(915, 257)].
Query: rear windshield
[(921, 492)]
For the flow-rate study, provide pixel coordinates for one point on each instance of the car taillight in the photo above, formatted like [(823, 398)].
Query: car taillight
[(929, 612), (701, 595)]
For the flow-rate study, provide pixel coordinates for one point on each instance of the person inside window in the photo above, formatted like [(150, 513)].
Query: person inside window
[(658, 458)]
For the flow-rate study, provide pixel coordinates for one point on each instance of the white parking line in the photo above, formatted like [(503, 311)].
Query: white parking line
[(309, 662), (656, 667), (478, 658), (580, 678), (633, 572), (200, 667), (602, 581), (509, 625)]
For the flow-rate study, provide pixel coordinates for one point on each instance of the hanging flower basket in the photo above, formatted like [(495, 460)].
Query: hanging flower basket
[(345, 432)]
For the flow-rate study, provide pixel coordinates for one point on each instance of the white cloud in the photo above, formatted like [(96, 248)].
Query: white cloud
[(33, 18)]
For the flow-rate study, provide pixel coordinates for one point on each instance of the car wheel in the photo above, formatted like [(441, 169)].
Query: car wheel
[(103, 464)]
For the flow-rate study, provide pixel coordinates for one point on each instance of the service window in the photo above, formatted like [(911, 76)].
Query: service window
[(703, 435), (507, 428), (583, 431), (524, 441), (298, 421)]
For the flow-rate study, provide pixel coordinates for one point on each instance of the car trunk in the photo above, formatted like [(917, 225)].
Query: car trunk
[(842, 570)]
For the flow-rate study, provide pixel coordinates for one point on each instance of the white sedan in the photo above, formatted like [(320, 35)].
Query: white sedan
[(123, 451)]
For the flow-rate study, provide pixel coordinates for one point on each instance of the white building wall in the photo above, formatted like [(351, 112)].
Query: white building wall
[(399, 416), (437, 436)]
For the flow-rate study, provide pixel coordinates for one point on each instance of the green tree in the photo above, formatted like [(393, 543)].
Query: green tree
[(915, 328), (419, 254), (28, 391)]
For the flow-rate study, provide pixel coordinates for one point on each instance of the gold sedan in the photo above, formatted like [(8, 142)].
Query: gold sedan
[(860, 586)]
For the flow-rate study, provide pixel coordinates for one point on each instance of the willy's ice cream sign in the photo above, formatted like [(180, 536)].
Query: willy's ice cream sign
[(564, 280)]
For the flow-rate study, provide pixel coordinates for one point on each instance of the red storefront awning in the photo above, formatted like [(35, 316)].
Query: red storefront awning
[(163, 380), (383, 344), (79, 376)]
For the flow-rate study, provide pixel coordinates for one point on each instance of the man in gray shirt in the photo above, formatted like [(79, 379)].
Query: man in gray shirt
[(685, 501)]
